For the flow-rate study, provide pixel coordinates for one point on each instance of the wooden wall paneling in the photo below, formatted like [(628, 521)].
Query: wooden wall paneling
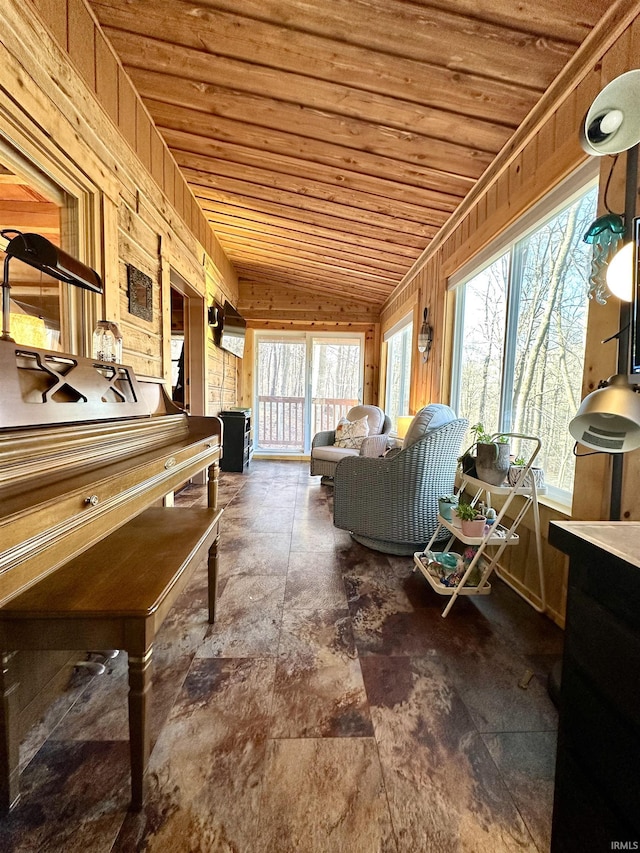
[(567, 123), (634, 43), (617, 59), (492, 204), (165, 315), (247, 372), (81, 40), (169, 179), (110, 272), (106, 77), (143, 136), (126, 108), (515, 176), (546, 142), (502, 191), (157, 157), (54, 13)]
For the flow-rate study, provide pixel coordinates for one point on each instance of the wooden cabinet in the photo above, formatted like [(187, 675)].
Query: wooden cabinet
[(236, 440), (597, 790)]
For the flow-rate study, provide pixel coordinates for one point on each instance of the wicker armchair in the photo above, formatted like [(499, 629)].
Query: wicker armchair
[(391, 504), (325, 456)]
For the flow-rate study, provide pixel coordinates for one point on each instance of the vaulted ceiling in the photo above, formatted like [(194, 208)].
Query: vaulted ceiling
[(327, 141)]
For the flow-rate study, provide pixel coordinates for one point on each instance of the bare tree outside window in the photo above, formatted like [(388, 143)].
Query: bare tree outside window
[(521, 337)]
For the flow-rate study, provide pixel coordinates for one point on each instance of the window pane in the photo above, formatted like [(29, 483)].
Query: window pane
[(481, 337), (335, 380), (398, 374), (551, 332), (280, 392)]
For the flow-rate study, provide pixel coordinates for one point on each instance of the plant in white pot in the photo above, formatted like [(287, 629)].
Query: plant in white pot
[(534, 474), (492, 455), (472, 521)]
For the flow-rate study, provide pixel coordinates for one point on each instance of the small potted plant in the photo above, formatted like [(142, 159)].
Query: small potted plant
[(445, 504), (533, 474), (472, 521), (492, 455)]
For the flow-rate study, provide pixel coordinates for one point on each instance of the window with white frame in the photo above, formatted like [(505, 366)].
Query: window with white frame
[(398, 377), (521, 329)]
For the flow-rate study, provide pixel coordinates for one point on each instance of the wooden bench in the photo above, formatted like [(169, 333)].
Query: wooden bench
[(113, 596)]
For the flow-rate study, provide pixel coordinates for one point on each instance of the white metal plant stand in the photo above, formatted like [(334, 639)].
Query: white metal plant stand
[(497, 536)]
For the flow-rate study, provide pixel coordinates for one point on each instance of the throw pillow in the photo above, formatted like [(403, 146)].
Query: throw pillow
[(351, 433)]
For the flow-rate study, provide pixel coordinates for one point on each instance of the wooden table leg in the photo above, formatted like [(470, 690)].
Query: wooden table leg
[(140, 678), (9, 735), (212, 487), (212, 568)]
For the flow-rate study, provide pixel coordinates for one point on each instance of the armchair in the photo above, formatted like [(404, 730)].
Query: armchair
[(325, 455), (391, 504)]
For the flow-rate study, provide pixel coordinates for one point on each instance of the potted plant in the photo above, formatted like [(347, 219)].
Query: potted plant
[(533, 475), (445, 504), (472, 521), (492, 456)]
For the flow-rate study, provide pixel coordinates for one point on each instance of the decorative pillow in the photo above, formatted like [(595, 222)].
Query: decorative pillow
[(351, 433)]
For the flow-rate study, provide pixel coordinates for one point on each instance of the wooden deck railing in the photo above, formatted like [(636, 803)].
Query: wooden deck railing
[(281, 419)]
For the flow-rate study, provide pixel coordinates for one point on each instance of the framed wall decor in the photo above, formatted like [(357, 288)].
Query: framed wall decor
[(140, 293)]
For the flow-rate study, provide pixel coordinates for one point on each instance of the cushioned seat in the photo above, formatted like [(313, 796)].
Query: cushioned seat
[(325, 454), (391, 504)]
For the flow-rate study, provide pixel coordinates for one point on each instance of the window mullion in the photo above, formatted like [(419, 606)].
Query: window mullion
[(514, 287)]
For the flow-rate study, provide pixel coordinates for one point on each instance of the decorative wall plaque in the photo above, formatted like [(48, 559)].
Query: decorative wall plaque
[(140, 294)]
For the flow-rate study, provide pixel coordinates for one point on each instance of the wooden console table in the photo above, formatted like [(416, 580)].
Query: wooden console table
[(113, 596)]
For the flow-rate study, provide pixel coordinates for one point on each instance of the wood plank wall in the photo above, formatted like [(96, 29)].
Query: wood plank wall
[(68, 108), (544, 151), (149, 217)]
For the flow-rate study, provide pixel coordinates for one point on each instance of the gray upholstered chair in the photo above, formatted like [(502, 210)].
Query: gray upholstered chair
[(391, 504), (325, 455)]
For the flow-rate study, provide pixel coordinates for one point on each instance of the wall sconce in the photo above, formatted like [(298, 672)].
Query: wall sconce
[(609, 418), (40, 253), (213, 316), (620, 273), (425, 336)]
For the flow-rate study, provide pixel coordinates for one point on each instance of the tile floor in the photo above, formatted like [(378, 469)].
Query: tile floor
[(330, 709)]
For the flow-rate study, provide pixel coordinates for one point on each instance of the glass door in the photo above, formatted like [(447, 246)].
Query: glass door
[(304, 384), (336, 379), (280, 378)]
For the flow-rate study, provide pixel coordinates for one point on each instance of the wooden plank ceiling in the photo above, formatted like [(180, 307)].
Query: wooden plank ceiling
[(327, 141)]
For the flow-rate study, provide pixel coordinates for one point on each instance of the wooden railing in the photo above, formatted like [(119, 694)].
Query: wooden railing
[(281, 419)]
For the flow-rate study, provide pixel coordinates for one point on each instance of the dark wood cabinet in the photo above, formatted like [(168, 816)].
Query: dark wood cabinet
[(236, 440), (597, 787)]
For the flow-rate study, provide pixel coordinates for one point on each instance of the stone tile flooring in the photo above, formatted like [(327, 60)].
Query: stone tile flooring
[(330, 709)]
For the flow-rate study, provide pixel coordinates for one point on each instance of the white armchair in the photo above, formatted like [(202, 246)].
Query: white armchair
[(325, 455)]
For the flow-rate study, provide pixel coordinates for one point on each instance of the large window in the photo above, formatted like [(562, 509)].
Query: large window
[(520, 336), (398, 372)]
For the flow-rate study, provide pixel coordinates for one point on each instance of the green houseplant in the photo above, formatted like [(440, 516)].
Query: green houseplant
[(533, 474), (472, 521), (492, 455)]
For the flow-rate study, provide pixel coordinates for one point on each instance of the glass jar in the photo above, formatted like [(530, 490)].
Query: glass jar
[(107, 342)]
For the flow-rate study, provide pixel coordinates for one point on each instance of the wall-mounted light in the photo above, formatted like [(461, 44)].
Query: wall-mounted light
[(213, 316), (425, 336), (620, 273), (40, 253), (609, 418)]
